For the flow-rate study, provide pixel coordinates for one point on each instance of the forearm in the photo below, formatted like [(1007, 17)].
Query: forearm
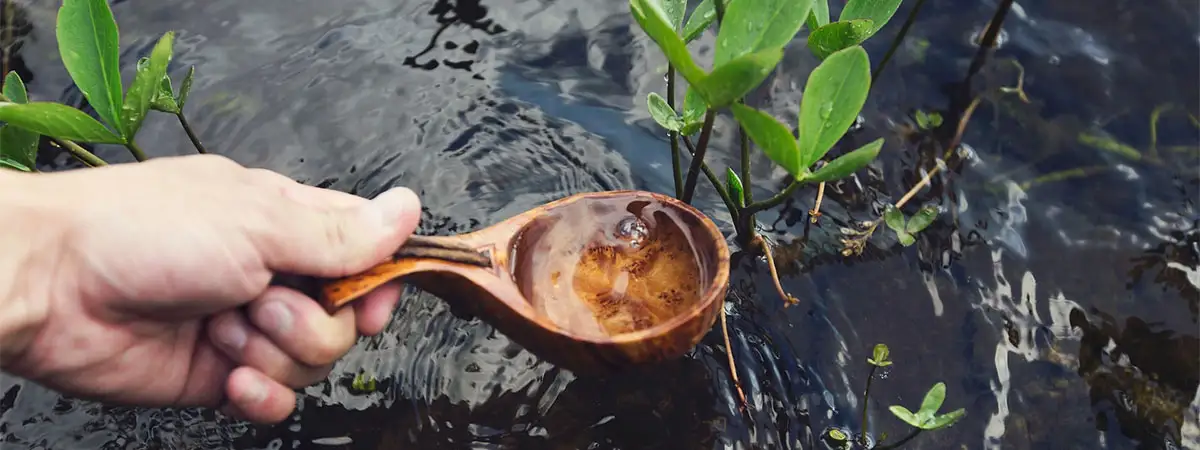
[(30, 223)]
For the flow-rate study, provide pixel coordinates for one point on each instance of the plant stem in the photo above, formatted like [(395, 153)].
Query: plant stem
[(910, 437), (190, 134), (737, 385), (912, 16), (747, 185), (815, 213), (754, 208), (862, 438), (80, 153), (766, 249), (719, 7), (689, 186), (716, 182), (989, 37), (676, 165), (138, 154)]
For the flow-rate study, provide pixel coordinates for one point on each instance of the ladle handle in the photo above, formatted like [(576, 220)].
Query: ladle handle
[(334, 293)]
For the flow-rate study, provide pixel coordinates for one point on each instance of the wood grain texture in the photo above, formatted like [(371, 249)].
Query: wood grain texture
[(675, 326)]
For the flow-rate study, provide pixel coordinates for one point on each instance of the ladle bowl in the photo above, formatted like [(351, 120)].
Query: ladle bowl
[(594, 283)]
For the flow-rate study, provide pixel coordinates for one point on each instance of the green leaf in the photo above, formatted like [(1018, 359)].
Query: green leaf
[(945, 420), (772, 136), (734, 184), (694, 108), (932, 402), (894, 218), (9, 163), (146, 85), (880, 354), (702, 17), (662, 113), (847, 164), (14, 88), (921, 219), (750, 26), (88, 45), (674, 10), (904, 414), (650, 15), (834, 94), (733, 80), (185, 88), (838, 35), (18, 144), (819, 16), (906, 239), (879, 11), (57, 120), (164, 99)]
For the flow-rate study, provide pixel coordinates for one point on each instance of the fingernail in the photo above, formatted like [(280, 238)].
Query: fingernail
[(277, 316), (255, 391), (390, 206), (232, 335)]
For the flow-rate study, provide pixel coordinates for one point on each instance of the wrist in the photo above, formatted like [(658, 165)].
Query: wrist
[(34, 220)]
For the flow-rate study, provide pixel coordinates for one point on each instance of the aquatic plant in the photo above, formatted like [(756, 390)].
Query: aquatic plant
[(88, 43)]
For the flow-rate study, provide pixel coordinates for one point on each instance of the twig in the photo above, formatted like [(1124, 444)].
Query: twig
[(732, 367), (962, 126), (989, 37), (815, 213), (716, 182), (912, 16), (766, 249), (137, 152), (190, 134), (689, 186), (80, 153)]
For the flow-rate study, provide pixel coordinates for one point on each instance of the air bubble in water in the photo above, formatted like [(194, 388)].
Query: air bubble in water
[(632, 230)]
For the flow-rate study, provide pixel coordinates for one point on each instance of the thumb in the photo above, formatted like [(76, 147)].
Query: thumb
[(335, 242)]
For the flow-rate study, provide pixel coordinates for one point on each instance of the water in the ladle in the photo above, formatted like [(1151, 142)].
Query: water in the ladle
[(602, 267)]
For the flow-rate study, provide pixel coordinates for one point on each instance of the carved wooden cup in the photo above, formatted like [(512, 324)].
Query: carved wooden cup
[(594, 282)]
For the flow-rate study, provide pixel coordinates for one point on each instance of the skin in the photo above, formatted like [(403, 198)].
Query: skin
[(148, 284)]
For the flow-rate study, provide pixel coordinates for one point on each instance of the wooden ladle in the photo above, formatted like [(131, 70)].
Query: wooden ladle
[(594, 282)]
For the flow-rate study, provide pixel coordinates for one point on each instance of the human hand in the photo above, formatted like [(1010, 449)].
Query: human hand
[(148, 284)]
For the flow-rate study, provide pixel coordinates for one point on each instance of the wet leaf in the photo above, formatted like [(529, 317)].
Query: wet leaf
[(921, 219), (18, 144), (932, 402), (734, 184), (945, 420), (694, 108), (146, 85), (906, 239), (772, 136), (904, 414), (838, 35), (928, 121), (57, 120), (733, 80), (662, 112), (750, 26), (9, 163), (702, 17), (879, 11), (185, 88), (650, 15), (674, 10), (164, 99), (894, 218), (879, 357), (833, 96), (89, 47), (819, 16), (847, 164)]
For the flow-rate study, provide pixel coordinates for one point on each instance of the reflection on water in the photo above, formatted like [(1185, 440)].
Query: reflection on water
[(1061, 311)]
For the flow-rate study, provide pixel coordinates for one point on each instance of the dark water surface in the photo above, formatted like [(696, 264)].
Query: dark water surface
[(1061, 314)]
